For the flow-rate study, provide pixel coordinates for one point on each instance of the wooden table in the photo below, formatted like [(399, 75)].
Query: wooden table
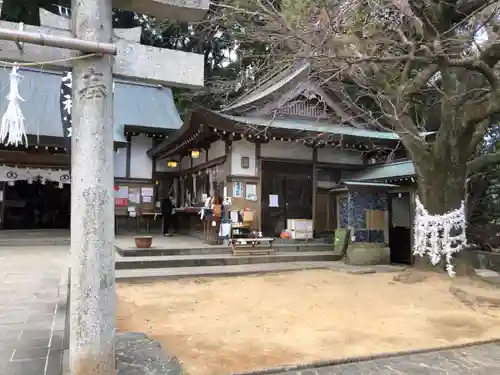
[(148, 216)]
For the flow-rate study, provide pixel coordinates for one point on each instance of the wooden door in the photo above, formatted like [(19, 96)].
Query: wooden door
[(273, 205), (321, 218)]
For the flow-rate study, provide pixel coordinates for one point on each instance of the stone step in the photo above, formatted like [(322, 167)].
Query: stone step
[(213, 260), (27, 242), (151, 274), (217, 249)]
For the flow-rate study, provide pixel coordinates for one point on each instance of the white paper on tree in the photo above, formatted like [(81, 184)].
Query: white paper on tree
[(273, 200)]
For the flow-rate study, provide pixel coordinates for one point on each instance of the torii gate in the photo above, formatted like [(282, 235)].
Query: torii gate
[(92, 322)]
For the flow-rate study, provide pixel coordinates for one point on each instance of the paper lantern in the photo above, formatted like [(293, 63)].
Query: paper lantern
[(172, 164), (195, 154)]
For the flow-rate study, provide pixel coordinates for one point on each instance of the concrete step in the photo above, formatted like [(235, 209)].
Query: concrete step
[(217, 249), (212, 260), (27, 242), (151, 274)]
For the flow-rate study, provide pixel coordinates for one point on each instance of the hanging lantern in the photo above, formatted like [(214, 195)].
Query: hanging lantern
[(195, 154), (172, 164), (11, 183)]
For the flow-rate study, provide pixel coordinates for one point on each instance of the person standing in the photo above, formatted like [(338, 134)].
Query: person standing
[(166, 211)]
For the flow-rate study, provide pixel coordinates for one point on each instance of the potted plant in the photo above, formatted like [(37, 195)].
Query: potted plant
[(143, 242)]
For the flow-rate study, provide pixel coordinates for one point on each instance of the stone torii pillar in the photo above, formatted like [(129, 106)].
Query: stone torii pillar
[(92, 304), (93, 312)]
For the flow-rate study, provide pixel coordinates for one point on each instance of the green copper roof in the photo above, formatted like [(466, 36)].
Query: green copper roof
[(385, 172)]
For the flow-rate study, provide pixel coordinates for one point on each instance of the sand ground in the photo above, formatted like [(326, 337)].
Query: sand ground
[(223, 325)]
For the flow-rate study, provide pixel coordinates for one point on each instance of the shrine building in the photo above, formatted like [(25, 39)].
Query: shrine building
[(292, 152)]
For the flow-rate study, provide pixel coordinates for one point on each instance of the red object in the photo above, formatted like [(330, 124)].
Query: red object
[(286, 235), (117, 188), (121, 202)]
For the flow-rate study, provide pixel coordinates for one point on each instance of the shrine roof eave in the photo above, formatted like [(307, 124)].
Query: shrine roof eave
[(190, 132), (316, 133), (295, 128), (150, 131), (357, 185), (395, 171), (134, 104)]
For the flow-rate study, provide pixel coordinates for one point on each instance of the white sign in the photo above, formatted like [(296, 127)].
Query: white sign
[(237, 189), (147, 199), (147, 192), (251, 192), (273, 200)]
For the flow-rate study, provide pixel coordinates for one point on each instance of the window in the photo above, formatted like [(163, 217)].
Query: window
[(245, 162)]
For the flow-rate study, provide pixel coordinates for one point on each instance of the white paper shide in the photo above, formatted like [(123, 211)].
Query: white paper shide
[(13, 131), (439, 236)]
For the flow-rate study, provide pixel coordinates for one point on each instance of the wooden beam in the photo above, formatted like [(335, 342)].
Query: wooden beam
[(133, 62), (175, 10)]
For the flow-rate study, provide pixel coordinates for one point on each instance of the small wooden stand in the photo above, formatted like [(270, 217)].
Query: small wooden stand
[(243, 242)]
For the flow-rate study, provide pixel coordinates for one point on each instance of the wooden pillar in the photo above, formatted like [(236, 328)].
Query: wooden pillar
[(258, 167), (314, 186), (129, 155)]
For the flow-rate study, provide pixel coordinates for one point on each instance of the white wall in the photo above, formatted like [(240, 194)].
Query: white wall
[(216, 150), (185, 163), (141, 164), (330, 154), (286, 150), (120, 162), (201, 159), (241, 149)]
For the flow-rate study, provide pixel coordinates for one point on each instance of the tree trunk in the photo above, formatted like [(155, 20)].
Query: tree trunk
[(441, 188)]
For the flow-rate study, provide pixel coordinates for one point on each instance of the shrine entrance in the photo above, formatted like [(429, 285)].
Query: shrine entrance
[(286, 194), (400, 228), (36, 205)]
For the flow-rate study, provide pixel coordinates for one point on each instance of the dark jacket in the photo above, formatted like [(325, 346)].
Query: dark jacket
[(166, 206)]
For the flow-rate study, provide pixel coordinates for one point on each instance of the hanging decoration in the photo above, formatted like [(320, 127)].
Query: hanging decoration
[(12, 174), (439, 236), (13, 131), (65, 105)]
